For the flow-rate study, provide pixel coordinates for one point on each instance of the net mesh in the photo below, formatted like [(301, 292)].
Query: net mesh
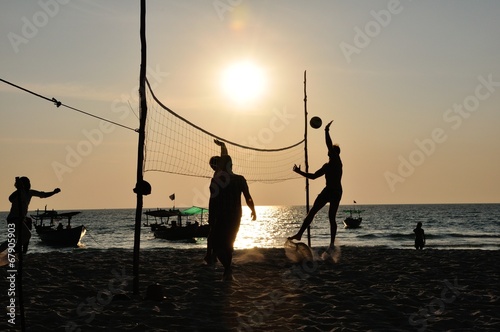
[(175, 145)]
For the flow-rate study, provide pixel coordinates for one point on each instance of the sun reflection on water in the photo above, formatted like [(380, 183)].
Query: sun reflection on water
[(273, 225)]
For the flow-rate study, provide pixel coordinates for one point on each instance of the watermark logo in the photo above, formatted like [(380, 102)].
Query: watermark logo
[(277, 123), (223, 6), (76, 154), (31, 26), (372, 29), (454, 116), (88, 309), (261, 310), (436, 306)]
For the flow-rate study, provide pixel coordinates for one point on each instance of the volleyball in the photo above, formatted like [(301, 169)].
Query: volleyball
[(316, 122)]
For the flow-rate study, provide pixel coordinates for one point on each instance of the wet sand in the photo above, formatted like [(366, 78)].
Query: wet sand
[(367, 289)]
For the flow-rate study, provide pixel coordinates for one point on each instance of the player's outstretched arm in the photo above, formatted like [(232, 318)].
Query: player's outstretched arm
[(328, 139), (223, 148), (249, 199), (310, 176)]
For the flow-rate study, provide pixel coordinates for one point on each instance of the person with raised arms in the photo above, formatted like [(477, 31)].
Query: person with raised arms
[(332, 193), (20, 200)]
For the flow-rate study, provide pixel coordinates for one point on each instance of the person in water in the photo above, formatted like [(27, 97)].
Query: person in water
[(419, 237), (332, 193), (20, 200)]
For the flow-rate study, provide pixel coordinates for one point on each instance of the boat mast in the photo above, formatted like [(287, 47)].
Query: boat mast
[(140, 151)]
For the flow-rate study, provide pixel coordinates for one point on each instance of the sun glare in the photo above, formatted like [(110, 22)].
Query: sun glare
[(243, 82)]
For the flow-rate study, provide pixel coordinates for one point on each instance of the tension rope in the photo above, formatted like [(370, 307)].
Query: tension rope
[(59, 104)]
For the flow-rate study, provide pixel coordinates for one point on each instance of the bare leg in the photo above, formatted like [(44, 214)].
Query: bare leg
[(318, 205), (332, 214), (225, 256), (228, 269), (210, 256)]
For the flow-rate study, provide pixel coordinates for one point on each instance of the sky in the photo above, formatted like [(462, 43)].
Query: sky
[(413, 88)]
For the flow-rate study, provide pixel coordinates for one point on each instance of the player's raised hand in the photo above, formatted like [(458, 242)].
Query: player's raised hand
[(327, 127), (219, 143)]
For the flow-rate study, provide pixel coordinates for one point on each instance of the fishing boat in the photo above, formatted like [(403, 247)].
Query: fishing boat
[(203, 227), (60, 235), (159, 215), (177, 225), (351, 221)]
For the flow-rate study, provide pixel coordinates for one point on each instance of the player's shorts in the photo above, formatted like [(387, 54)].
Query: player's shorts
[(330, 195)]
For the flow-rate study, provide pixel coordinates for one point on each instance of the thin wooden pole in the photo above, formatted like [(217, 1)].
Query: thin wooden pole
[(140, 150), (20, 247), (306, 156)]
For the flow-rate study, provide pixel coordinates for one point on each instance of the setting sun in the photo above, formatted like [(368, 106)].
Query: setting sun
[(243, 82)]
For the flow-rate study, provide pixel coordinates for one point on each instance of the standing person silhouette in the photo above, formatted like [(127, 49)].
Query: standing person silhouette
[(332, 193), (20, 200), (214, 161), (419, 237), (225, 209)]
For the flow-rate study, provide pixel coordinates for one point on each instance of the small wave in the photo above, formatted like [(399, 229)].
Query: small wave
[(462, 235), (400, 235), (463, 246), (369, 236), (428, 236)]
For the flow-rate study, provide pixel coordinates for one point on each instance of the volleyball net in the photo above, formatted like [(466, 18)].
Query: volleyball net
[(177, 146)]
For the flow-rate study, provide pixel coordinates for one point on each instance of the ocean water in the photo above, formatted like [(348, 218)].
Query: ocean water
[(447, 226)]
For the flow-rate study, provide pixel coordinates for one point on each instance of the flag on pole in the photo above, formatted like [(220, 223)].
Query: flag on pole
[(172, 197)]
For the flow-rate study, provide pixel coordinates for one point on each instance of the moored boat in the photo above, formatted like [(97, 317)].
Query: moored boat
[(159, 215), (62, 235), (174, 228), (351, 221)]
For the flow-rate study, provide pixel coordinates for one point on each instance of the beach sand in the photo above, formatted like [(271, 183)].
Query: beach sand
[(368, 289)]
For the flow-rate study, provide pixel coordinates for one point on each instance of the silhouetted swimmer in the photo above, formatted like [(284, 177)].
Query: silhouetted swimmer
[(332, 193), (419, 237)]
